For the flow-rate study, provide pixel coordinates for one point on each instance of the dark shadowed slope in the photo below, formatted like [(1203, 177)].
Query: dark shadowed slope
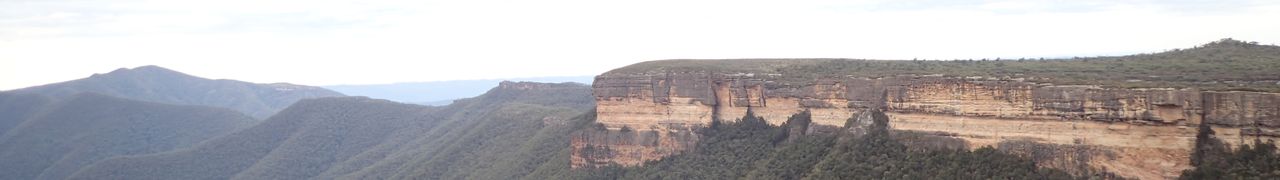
[(362, 138), (157, 84), (294, 144), (16, 108), (68, 135)]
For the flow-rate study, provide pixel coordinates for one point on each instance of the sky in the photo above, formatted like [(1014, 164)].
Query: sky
[(332, 42)]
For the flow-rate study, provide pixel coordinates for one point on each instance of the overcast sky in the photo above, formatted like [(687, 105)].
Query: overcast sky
[(321, 42)]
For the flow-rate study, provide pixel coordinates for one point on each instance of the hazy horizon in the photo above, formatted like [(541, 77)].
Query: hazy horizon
[(535, 79), (379, 42)]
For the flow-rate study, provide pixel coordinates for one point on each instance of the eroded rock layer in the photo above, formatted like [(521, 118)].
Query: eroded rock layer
[(1145, 133)]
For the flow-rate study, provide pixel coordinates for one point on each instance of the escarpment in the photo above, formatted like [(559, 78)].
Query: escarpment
[(649, 111)]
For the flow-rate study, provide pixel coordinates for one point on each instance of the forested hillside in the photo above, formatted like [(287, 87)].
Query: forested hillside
[(58, 139), (298, 143), (17, 108), (157, 84), (506, 132)]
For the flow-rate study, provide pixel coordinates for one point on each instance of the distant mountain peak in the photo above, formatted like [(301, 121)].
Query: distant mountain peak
[(153, 68), (158, 84), (148, 70)]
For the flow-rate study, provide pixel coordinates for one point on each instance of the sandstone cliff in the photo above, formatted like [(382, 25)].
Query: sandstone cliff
[(649, 111)]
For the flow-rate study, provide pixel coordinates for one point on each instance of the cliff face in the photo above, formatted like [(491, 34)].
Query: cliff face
[(1145, 133)]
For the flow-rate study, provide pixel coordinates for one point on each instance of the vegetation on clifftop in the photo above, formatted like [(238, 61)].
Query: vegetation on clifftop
[(1226, 64)]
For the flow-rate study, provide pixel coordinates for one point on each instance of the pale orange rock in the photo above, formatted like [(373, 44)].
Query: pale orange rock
[(1142, 133)]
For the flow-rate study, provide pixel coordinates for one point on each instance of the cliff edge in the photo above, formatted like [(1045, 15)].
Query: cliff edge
[(1136, 123)]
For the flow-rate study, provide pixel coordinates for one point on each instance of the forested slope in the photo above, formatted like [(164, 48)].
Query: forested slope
[(361, 138), (17, 108), (58, 139)]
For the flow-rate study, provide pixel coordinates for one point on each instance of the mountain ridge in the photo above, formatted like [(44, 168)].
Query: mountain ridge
[(158, 84)]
